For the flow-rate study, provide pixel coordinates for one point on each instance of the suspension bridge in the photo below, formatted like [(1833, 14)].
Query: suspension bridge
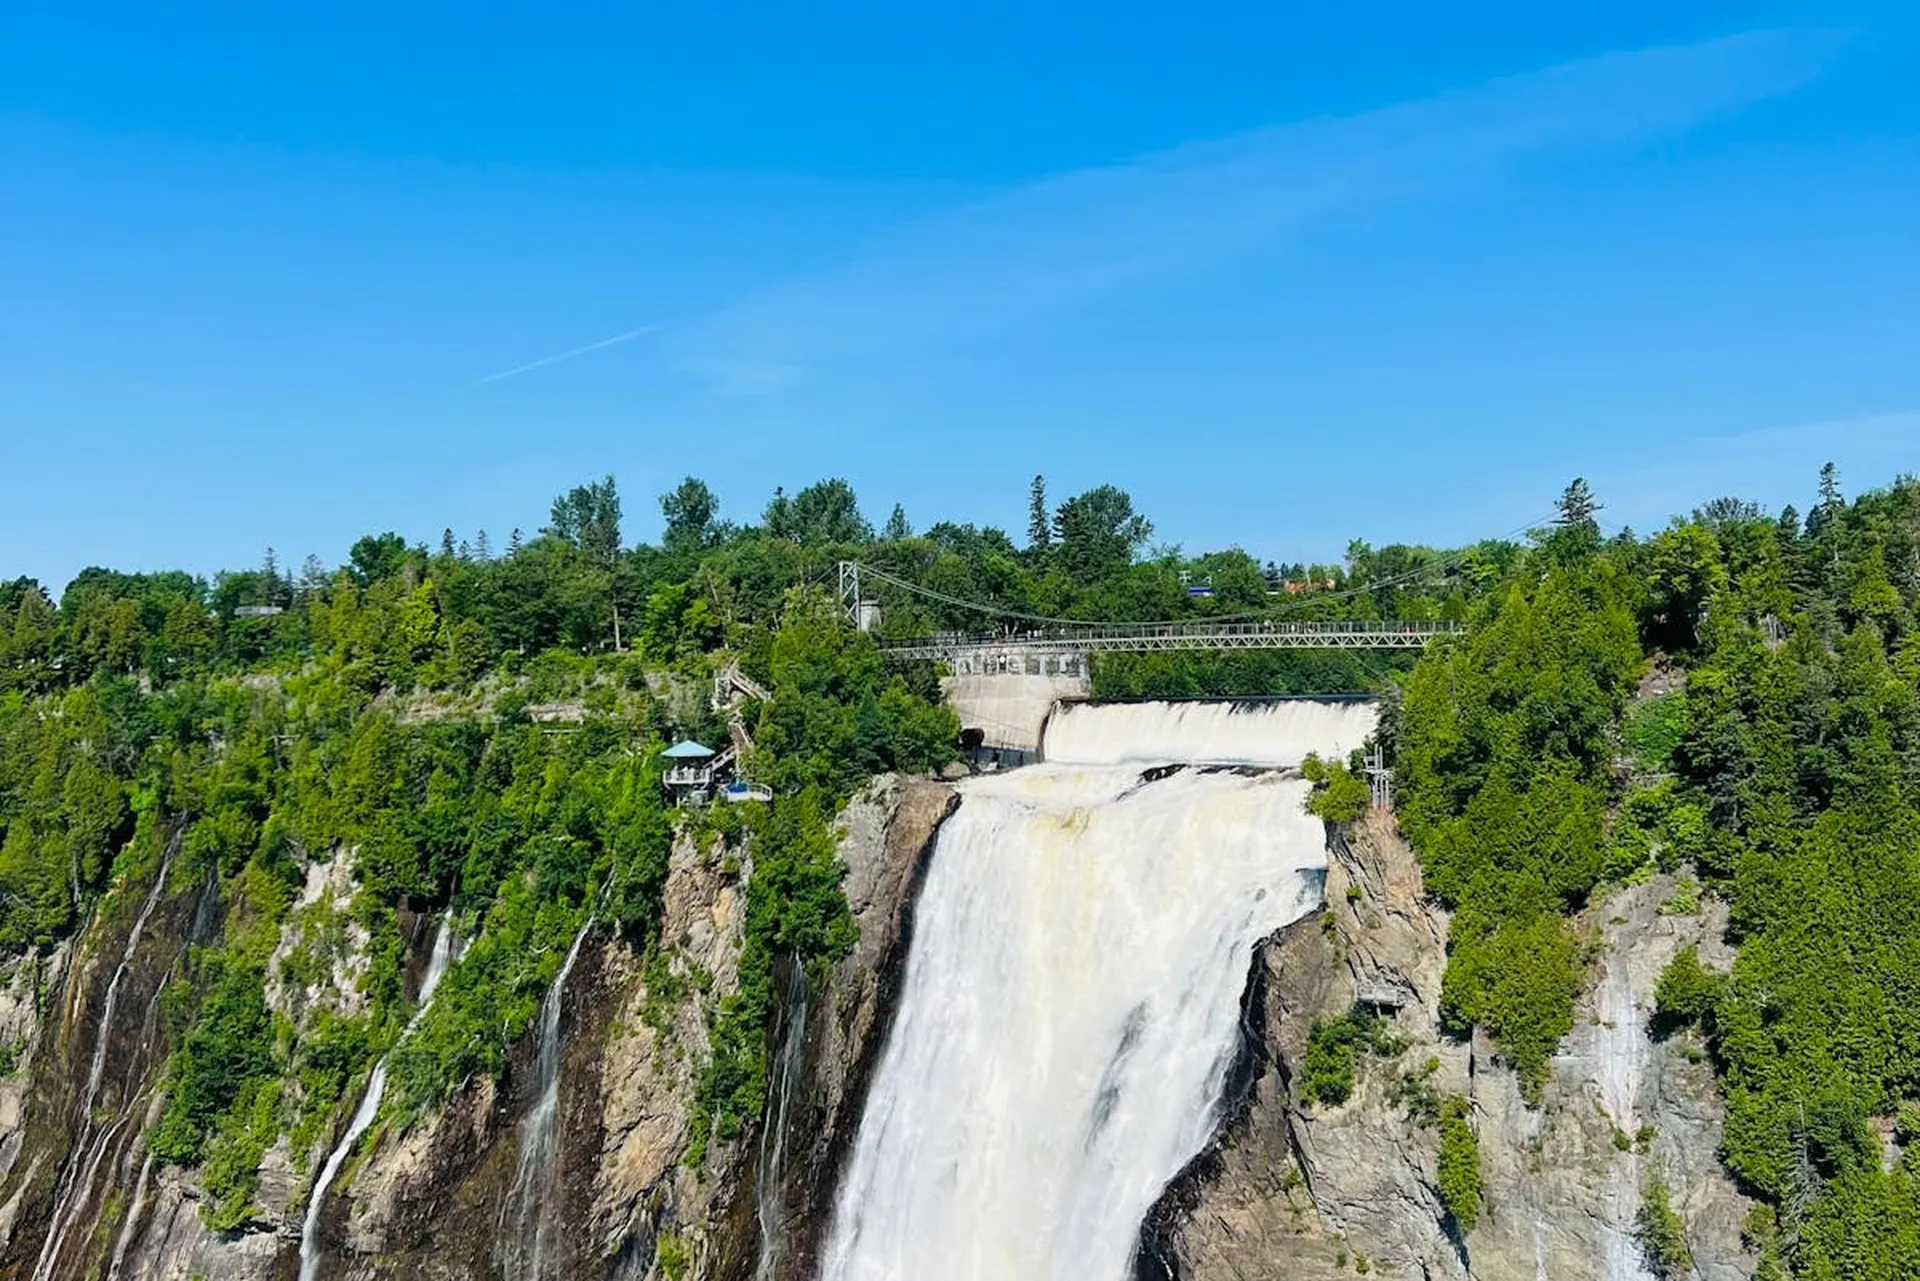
[(1033, 646)]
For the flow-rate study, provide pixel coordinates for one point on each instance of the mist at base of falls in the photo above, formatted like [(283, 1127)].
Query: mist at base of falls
[(1071, 1005)]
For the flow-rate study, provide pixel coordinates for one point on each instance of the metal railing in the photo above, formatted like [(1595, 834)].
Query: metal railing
[(1179, 636)]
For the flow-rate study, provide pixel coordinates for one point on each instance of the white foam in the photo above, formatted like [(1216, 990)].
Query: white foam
[(1278, 732)]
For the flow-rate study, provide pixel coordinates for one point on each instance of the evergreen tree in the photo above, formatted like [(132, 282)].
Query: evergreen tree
[(777, 520), (313, 574), (270, 580), (897, 530), (1577, 506), (1039, 529)]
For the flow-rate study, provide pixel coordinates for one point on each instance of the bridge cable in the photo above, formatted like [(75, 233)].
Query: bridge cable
[(1435, 571)]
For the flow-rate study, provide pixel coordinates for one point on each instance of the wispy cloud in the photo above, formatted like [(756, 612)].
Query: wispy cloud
[(1771, 465), (544, 361), (1903, 428), (983, 267)]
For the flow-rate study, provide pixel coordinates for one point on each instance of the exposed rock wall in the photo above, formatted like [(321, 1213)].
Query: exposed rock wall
[(1292, 1189), (91, 1050), (1303, 1190), (889, 839), (428, 1203)]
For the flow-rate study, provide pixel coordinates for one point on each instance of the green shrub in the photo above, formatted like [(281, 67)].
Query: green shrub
[(1654, 730), (1333, 1048), (795, 908), (226, 1058), (1519, 982), (1459, 1171), (1414, 1092), (1687, 991), (1504, 746), (1685, 899), (1663, 1233), (1338, 795), (673, 1256)]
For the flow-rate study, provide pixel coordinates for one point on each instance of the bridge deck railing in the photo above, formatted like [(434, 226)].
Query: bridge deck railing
[(1186, 636)]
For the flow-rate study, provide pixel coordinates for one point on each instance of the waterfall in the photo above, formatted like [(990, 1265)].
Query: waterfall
[(524, 1247), (437, 962), (79, 1175), (773, 1136), (1072, 996), (1621, 1059), (132, 1221), (1274, 732)]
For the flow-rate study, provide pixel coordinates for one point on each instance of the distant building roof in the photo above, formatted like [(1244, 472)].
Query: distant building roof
[(687, 750)]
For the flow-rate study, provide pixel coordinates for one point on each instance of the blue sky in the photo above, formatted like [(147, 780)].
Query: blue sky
[(280, 278)]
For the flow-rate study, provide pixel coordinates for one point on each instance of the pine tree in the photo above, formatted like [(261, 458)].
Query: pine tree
[(1039, 525), (1577, 506), (514, 542), (897, 530), (446, 542), (313, 574), (1823, 522), (276, 588), (482, 551)]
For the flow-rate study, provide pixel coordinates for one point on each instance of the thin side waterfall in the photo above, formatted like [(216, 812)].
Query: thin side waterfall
[(773, 1137), (1621, 1045), (132, 1220), (1072, 997), (76, 1184), (437, 963), (523, 1245)]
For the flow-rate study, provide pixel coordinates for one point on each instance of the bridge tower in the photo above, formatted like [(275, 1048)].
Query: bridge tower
[(862, 613), (1379, 778)]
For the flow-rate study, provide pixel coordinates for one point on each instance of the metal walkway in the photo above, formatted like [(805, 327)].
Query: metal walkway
[(1154, 637)]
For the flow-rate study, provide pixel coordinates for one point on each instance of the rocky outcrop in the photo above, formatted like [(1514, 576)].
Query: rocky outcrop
[(427, 1202), (93, 1049), (888, 837), (1302, 1190), (1293, 1188)]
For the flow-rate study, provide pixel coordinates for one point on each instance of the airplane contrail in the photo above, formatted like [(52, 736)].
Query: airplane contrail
[(629, 336)]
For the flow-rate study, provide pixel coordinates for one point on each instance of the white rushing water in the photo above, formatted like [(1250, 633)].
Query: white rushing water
[(524, 1224), (1071, 1006), (787, 1071), (437, 962), (1621, 1051), (1237, 732)]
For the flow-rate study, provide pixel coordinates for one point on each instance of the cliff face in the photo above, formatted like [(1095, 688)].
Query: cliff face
[(1291, 1188), (1304, 1190), (79, 1198)]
